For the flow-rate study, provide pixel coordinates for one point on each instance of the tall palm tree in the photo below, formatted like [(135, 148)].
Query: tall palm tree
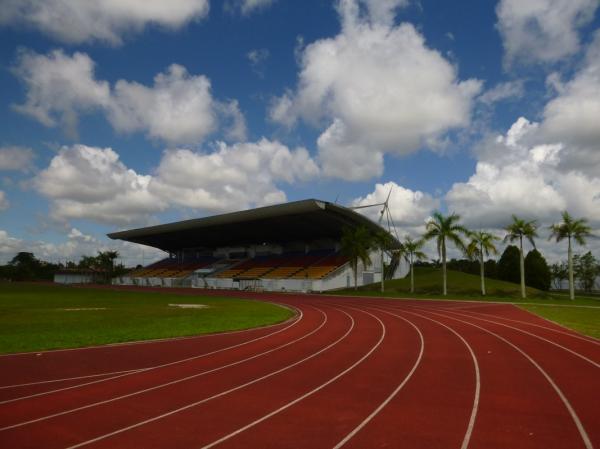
[(518, 230), (356, 244), (384, 242), (481, 245), (411, 250), (570, 228), (106, 261), (444, 228)]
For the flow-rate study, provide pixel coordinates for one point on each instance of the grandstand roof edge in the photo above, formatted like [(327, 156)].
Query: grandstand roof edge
[(164, 236)]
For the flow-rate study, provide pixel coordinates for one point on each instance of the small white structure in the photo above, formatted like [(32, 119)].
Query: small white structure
[(76, 276)]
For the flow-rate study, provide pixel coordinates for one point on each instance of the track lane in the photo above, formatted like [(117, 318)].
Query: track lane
[(544, 416), (48, 404), (200, 424), (571, 339), (575, 377), (425, 403), (332, 411), (580, 352), (108, 418)]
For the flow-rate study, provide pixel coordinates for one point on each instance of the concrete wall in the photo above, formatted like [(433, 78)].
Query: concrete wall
[(73, 278)]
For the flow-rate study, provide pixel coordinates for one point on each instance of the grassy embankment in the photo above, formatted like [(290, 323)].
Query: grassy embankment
[(583, 314), (35, 317)]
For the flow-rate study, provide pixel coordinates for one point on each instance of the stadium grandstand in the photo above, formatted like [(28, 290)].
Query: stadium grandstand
[(292, 247)]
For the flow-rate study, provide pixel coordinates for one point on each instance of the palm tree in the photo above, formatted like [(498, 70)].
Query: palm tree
[(411, 250), (356, 244), (482, 244), (570, 228), (444, 228), (384, 242), (106, 260), (518, 230)]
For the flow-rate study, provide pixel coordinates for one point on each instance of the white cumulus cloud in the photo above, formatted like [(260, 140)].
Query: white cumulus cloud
[(377, 88), (518, 173), (92, 183), (59, 87), (573, 115), (409, 208), (542, 30), (76, 21), (178, 108), (9, 246), (232, 177), (76, 244)]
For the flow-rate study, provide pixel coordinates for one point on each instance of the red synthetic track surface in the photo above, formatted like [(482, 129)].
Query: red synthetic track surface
[(345, 372)]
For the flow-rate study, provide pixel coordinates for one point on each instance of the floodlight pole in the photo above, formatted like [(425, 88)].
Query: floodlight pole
[(385, 208)]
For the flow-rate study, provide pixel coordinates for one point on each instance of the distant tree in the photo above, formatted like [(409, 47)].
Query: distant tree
[(24, 266), (537, 272), (88, 262), (464, 266), (442, 229), (481, 246), (356, 244), (508, 265), (586, 269), (491, 268), (570, 228), (518, 230), (411, 251), (559, 272)]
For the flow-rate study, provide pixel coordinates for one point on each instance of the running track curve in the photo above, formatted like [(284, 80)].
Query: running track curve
[(344, 372)]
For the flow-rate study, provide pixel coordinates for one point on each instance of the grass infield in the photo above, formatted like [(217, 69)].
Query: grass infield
[(582, 314), (35, 317)]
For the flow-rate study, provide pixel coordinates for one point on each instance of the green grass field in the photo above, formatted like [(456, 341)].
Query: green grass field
[(35, 317), (583, 314)]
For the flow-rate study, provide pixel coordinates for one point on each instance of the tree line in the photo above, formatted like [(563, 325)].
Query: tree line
[(26, 267), (476, 246)]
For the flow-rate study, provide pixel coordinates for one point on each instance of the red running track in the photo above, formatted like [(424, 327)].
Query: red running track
[(345, 372)]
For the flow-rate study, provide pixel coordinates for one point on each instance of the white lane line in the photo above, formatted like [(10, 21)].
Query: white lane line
[(218, 395), (475, 408), (173, 382), (157, 340), (143, 370), (582, 432), (396, 390), (304, 396), (42, 382), (570, 333), (576, 354)]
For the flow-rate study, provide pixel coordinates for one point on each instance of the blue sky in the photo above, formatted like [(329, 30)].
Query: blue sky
[(118, 115)]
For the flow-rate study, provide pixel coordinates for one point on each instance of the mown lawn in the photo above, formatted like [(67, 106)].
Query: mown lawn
[(585, 319), (583, 314), (36, 317)]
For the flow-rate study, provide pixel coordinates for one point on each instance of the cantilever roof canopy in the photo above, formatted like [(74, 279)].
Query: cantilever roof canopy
[(283, 223)]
